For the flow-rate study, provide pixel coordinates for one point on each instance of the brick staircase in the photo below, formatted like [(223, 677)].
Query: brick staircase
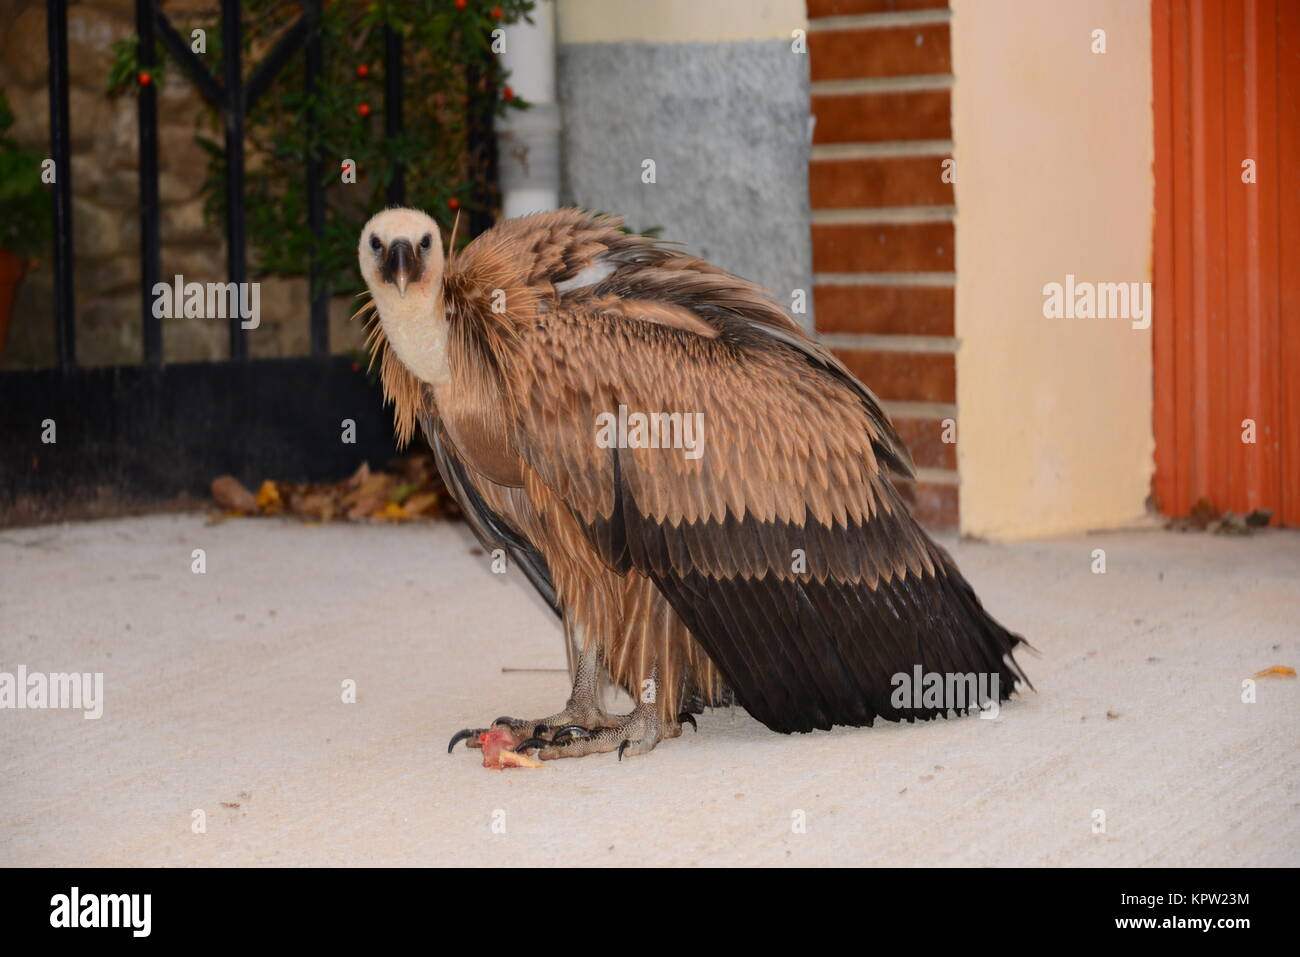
[(883, 219)]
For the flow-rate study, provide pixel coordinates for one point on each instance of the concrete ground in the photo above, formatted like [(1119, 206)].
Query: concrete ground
[(222, 694)]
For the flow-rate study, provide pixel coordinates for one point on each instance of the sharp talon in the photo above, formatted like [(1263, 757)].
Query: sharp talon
[(686, 716), (459, 736), (504, 719), (533, 742), (570, 731), (621, 748)]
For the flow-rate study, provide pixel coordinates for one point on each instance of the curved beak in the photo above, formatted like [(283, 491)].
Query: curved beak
[(401, 265)]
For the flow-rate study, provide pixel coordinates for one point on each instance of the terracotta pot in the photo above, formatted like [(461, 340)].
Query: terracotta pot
[(12, 269)]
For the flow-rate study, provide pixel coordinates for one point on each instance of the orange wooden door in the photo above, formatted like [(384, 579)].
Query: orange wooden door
[(1227, 255)]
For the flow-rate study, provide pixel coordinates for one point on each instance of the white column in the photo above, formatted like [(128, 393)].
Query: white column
[(528, 141)]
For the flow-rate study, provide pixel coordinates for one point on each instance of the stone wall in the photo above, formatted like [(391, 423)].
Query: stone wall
[(105, 190), (716, 95), (726, 125)]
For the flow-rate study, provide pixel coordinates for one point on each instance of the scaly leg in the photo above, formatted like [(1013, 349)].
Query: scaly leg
[(582, 711), (635, 733)]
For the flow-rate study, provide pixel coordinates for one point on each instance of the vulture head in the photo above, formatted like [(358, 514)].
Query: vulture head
[(400, 254)]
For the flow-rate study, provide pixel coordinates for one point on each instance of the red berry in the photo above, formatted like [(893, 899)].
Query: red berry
[(508, 94), (144, 78), (364, 109), (453, 203), (356, 367), (363, 71), (496, 13), (460, 4)]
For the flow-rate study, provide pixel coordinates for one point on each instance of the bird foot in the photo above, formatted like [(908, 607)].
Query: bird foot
[(636, 733), (572, 717)]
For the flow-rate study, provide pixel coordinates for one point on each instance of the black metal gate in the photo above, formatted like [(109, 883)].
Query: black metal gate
[(146, 433)]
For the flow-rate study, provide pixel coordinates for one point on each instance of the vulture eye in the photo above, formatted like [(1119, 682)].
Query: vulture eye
[(375, 244), (427, 241)]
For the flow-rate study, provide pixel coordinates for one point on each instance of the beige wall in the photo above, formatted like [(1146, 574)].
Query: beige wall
[(1054, 150), (676, 21)]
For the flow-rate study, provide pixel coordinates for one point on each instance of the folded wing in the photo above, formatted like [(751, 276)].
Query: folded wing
[(761, 504)]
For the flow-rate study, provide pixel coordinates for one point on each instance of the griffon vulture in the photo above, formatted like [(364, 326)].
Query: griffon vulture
[(701, 491)]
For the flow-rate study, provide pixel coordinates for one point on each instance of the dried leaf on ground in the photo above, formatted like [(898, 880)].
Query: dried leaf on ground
[(231, 494), (268, 498), (408, 489), (1276, 671), (391, 512), (421, 502), (403, 491), (1204, 517)]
